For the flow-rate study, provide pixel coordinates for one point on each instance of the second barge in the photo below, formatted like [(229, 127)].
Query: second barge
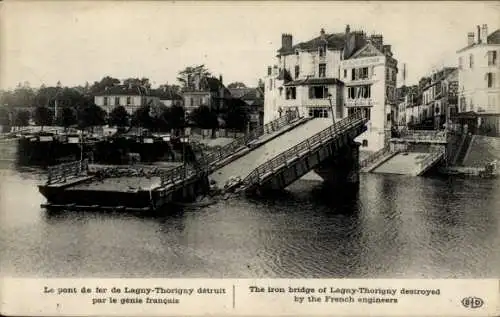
[(131, 188)]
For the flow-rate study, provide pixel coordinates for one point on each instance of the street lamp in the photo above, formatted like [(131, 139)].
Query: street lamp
[(184, 139), (331, 106)]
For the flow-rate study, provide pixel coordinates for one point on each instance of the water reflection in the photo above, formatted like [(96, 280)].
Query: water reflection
[(390, 226)]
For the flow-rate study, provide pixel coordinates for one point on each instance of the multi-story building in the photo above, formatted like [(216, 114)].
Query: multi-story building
[(168, 97), (439, 98), (254, 98), (131, 97), (335, 75), (205, 91), (406, 101), (479, 80)]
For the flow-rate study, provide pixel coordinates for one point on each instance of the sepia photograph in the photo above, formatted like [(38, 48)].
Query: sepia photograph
[(249, 140)]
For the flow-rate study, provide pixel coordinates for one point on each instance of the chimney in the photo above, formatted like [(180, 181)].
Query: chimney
[(484, 33), (479, 39), (220, 79), (386, 49), (377, 40), (347, 29), (286, 41), (470, 38), (322, 32), (269, 70)]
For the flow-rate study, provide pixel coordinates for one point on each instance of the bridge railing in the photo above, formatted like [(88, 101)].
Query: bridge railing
[(425, 135), (375, 156), (65, 171), (431, 158), (229, 149), (305, 146)]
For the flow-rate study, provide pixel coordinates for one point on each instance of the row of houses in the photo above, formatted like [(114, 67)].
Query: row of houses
[(468, 94), (430, 104), (206, 91), (334, 75)]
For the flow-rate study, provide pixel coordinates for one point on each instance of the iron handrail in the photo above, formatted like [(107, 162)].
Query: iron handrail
[(423, 163), (424, 135), (183, 172), (329, 133), (230, 148), (375, 156), (64, 171)]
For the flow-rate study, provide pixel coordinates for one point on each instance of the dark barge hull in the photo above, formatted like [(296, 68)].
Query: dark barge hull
[(94, 199), (65, 197)]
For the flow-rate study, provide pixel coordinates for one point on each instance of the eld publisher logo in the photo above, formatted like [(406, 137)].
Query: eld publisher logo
[(472, 302)]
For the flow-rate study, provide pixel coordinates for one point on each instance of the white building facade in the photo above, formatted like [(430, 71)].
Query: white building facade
[(130, 97), (335, 74), (479, 78)]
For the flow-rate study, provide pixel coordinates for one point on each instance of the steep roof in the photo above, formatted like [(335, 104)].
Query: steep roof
[(125, 90), (334, 41), (166, 94), (240, 92), (494, 38), (368, 50), (211, 84), (247, 94)]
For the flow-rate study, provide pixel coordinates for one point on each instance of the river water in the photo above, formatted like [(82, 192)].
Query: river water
[(394, 226)]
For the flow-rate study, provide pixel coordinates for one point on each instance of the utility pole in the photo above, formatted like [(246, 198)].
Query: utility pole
[(331, 107)]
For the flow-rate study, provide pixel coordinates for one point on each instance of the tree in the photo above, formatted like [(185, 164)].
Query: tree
[(205, 118), (261, 84), (142, 118), (22, 118), (188, 75), (105, 82), (236, 84), (172, 118), (22, 96), (43, 116), (237, 115), (174, 89), (66, 117), (119, 117), (137, 82), (90, 115), (4, 117), (177, 118)]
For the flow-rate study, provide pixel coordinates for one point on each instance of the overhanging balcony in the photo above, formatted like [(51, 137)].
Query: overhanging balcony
[(359, 102)]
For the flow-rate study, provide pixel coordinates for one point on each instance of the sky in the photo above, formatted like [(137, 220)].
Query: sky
[(74, 42)]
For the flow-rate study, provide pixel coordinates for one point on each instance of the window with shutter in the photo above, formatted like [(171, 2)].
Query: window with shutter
[(490, 79)]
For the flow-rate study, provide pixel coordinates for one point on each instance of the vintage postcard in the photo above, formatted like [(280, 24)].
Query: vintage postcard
[(237, 158)]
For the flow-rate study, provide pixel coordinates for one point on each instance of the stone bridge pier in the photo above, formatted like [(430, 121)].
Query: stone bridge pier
[(341, 170)]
